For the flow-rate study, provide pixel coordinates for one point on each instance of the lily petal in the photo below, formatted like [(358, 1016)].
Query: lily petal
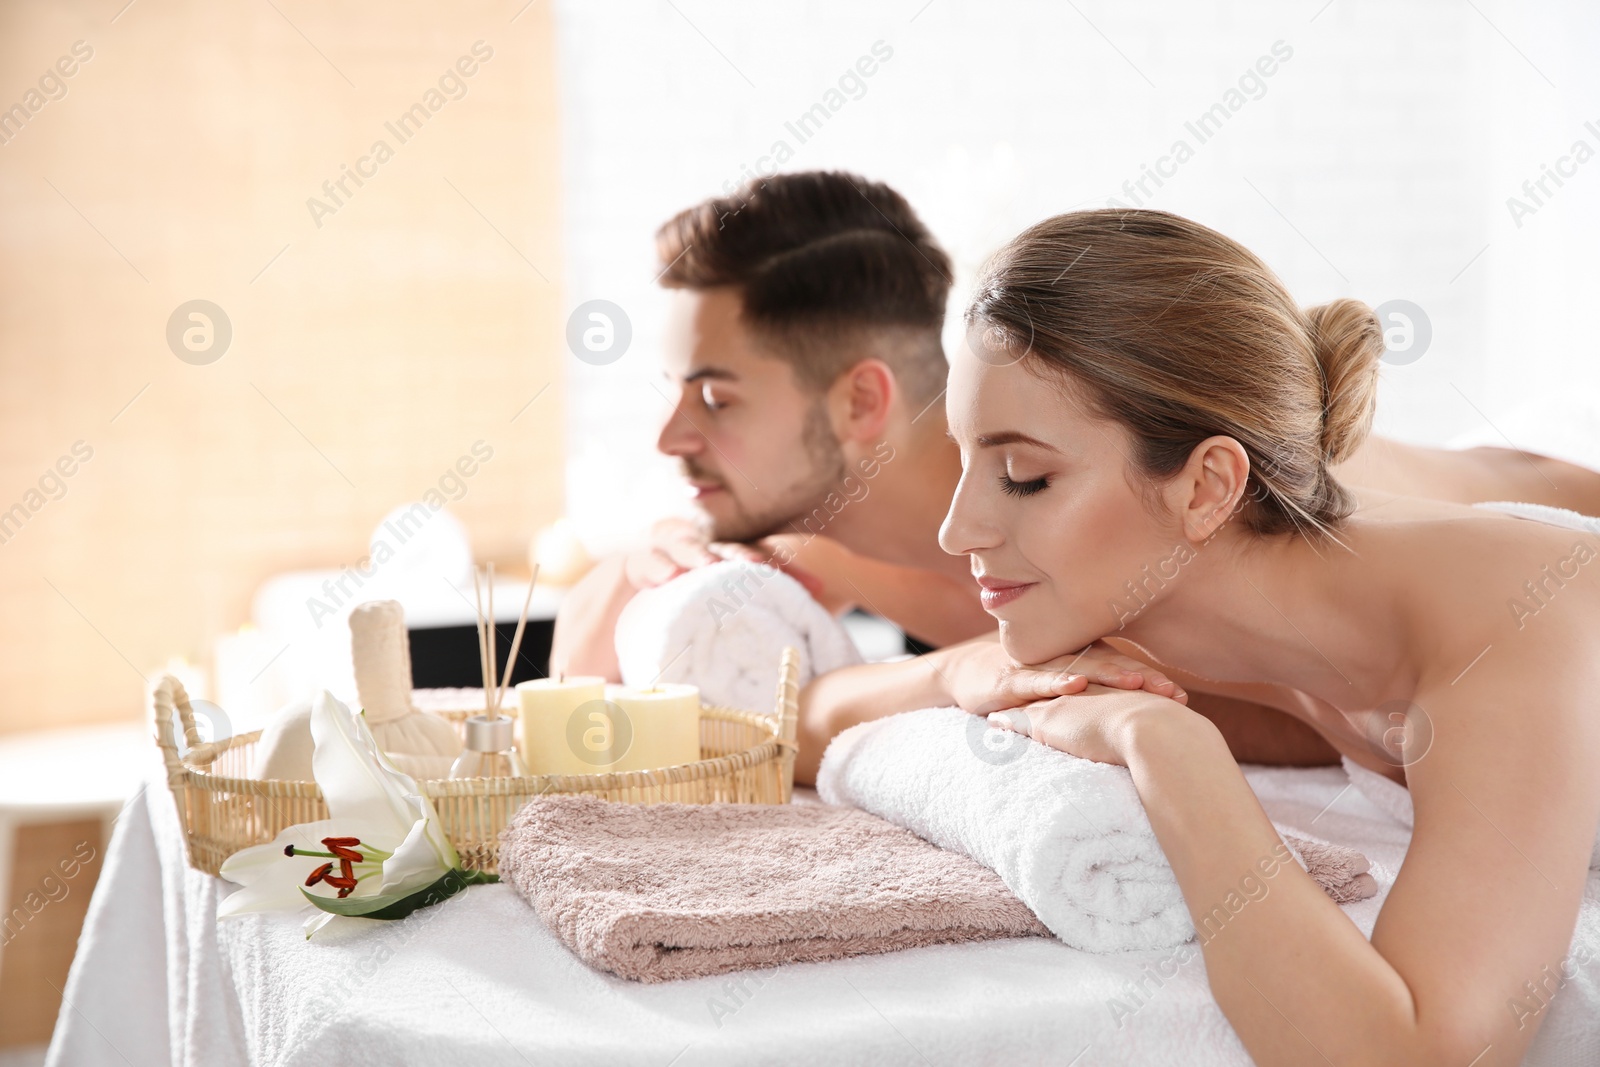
[(271, 880), (415, 863), (316, 920), (361, 785), (371, 803)]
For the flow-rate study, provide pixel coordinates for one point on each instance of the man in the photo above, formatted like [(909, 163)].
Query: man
[(804, 343), (805, 347)]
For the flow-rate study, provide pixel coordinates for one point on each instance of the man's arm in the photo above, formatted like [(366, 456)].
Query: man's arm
[(1253, 719), (929, 606), (1256, 733), (586, 623)]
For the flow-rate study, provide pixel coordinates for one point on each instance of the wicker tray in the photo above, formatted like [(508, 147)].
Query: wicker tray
[(747, 757)]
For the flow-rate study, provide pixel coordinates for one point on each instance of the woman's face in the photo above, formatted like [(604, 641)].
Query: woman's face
[(1061, 540)]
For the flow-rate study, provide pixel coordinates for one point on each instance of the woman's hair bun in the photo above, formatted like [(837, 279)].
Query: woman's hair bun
[(1347, 340), (1180, 334)]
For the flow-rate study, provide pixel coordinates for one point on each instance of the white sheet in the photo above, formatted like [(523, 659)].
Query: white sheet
[(478, 980)]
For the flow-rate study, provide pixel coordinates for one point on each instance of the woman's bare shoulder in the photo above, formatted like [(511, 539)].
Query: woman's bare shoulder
[(1471, 579), (1433, 539)]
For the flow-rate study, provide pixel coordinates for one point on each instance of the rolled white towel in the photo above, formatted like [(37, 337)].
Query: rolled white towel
[(724, 628), (1068, 836)]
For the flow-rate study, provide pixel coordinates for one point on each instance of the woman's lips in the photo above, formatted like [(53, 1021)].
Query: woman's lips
[(997, 592)]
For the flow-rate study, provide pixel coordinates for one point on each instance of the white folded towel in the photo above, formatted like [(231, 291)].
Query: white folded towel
[(723, 628), (1067, 835), (1550, 516)]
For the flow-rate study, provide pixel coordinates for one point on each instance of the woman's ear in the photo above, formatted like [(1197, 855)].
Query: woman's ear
[(862, 399), (1207, 491)]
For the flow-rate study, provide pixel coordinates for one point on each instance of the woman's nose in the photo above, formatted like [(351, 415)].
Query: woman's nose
[(965, 528)]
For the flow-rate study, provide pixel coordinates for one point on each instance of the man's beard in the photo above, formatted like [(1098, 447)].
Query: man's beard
[(825, 472)]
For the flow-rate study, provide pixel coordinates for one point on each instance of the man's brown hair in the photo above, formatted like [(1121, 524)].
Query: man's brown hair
[(830, 269)]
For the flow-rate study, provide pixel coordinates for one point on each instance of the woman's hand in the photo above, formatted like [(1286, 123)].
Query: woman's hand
[(980, 677), (1097, 724)]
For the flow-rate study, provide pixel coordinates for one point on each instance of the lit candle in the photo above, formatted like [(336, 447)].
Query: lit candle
[(664, 721), (554, 712)]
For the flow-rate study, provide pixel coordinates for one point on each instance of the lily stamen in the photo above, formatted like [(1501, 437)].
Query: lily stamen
[(292, 850), (347, 858)]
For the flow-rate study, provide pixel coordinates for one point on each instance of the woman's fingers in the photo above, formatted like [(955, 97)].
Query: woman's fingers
[(1114, 675), (1013, 719), (1026, 686), (1130, 674), (1029, 685)]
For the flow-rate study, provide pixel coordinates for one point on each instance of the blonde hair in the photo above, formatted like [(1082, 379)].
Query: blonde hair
[(1180, 334)]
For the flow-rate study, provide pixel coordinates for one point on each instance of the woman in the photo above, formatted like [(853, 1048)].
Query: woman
[(1147, 422)]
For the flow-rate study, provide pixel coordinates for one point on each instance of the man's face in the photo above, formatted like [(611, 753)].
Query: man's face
[(756, 447)]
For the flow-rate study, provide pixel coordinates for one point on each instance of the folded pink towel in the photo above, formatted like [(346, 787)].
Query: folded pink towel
[(1340, 871), (663, 891)]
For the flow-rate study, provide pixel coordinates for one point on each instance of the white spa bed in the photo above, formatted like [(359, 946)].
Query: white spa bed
[(478, 980)]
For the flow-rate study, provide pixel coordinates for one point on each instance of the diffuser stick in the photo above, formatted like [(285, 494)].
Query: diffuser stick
[(516, 640), (494, 660), (483, 641)]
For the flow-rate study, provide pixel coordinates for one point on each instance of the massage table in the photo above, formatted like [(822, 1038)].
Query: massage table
[(479, 980)]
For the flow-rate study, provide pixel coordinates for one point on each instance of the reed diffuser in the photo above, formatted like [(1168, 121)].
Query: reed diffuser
[(490, 750)]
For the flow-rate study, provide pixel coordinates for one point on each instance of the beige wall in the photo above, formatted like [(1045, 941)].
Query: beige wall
[(370, 354)]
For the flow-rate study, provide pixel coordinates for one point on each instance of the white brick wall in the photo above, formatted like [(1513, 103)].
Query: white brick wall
[(1389, 142)]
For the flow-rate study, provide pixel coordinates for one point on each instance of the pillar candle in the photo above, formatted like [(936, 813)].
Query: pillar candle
[(664, 721), (558, 724)]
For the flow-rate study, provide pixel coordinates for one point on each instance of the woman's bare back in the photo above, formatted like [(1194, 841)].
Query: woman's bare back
[(1482, 587)]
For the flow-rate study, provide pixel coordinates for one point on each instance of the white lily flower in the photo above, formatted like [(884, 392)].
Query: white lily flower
[(382, 837)]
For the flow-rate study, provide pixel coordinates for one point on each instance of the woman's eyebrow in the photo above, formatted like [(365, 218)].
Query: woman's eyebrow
[(1012, 437)]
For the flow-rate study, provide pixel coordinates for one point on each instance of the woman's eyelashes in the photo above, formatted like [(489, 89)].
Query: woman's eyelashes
[(1015, 488)]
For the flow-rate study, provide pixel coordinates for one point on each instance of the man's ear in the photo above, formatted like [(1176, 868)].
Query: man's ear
[(861, 399), (1210, 486)]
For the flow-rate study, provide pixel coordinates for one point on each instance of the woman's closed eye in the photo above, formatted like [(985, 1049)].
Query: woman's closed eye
[(1011, 487)]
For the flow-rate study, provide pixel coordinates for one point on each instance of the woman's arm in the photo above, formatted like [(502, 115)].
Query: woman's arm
[(1486, 900), (840, 699), (976, 675)]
